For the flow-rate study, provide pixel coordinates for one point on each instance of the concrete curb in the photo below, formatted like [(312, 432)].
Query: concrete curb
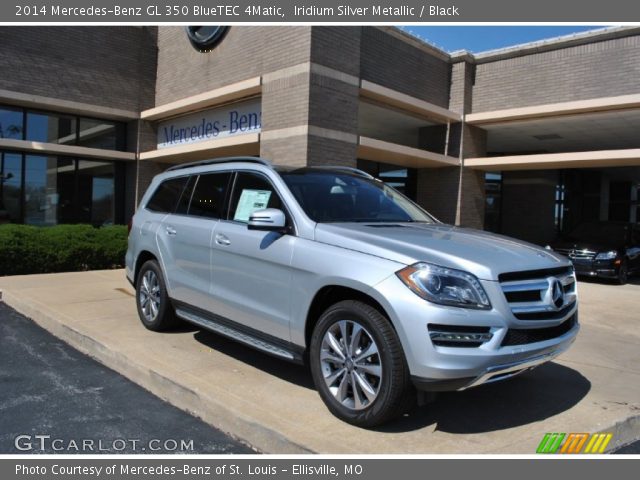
[(624, 433), (210, 410)]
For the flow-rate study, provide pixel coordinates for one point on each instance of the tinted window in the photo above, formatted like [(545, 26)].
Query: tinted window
[(101, 134), (252, 192), (51, 128), (11, 123), (209, 195), (343, 197), (185, 197), (165, 198)]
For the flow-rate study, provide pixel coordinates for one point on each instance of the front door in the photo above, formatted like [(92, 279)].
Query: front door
[(252, 269)]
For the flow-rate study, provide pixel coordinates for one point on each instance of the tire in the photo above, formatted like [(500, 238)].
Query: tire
[(154, 305), (386, 392), (623, 273)]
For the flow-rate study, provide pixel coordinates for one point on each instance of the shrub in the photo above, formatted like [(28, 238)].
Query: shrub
[(26, 249)]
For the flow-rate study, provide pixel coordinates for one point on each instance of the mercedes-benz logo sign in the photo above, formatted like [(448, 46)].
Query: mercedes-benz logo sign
[(205, 37), (557, 293)]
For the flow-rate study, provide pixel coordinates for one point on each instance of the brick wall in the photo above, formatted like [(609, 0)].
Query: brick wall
[(106, 66), (245, 52), (601, 69), (396, 64)]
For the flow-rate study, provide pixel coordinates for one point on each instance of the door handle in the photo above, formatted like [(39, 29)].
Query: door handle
[(222, 239), (171, 231)]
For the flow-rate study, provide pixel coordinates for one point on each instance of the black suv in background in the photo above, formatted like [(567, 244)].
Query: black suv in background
[(603, 249)]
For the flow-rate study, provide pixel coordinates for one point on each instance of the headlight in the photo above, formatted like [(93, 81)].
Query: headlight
[(548, 247), (445, 286), (610, 255)]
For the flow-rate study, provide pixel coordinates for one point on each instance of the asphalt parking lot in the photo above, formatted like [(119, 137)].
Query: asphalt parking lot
[(272, 405), (49, 389)]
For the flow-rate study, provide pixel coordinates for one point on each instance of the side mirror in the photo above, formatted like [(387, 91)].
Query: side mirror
[(268, 219)]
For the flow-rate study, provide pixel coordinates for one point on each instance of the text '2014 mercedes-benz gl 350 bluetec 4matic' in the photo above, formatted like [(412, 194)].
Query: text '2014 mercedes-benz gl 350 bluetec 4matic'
[(330, 266)]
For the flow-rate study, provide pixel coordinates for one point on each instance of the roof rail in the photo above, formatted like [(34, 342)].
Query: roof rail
[(213, 161), (355, 171)]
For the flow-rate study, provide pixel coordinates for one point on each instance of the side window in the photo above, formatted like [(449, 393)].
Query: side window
[(185, 198), (252, 192), (209, 195), (165, 198)]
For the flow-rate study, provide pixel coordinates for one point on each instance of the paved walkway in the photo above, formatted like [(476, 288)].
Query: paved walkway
[(272, 404), (49, 388)]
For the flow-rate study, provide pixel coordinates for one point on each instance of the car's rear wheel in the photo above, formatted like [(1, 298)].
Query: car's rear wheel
[(358, 365), (154, 306)]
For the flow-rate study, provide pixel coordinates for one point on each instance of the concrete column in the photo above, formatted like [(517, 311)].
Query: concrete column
[(455, 195)]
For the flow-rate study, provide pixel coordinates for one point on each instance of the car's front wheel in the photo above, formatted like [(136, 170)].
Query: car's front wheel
[(154, 306), (623, 273), (358, 365)]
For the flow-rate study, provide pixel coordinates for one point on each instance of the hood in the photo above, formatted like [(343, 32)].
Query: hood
[(483, 254)]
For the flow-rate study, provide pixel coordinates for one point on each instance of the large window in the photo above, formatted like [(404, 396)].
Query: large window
[(10, 187), (51, 128), (493, 201), (11, 123), (48, 127), (48, 190)]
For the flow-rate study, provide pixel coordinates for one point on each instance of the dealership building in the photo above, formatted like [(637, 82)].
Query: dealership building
[(527, 141)]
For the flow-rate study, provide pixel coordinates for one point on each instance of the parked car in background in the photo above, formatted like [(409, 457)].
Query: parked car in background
[(331, 266), (603, 249)]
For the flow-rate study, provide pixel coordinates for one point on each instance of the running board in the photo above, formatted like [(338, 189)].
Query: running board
[(236, 334)]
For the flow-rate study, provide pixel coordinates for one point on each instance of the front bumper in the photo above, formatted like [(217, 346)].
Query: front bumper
[(447, 368), (599, 268), (494, 373)]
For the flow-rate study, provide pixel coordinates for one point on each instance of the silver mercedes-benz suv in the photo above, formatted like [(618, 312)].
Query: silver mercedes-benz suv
[(330, 266)]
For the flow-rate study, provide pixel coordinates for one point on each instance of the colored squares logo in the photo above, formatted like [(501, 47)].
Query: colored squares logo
[(574, 443)]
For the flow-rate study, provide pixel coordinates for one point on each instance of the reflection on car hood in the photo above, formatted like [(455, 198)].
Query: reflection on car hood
[(484, 254)]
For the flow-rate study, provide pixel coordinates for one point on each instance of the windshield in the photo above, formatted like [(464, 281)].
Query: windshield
[(328, 196), (600, 232)]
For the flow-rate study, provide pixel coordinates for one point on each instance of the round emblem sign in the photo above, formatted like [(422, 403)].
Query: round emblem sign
[(205, 37)]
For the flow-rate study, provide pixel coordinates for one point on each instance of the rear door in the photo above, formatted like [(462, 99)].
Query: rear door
[(186, 237), (252, 269)]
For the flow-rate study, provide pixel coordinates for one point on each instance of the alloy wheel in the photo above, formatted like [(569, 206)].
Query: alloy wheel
[(149, 296), (351, 364)]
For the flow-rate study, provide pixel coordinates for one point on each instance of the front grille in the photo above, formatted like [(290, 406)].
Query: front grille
[(523, 336), (575, 254), (546, 294), (545, 315), (533, 274)]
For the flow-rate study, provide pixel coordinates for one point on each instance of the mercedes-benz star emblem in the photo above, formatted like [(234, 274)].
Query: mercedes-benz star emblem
[(205, 37), (557, 293)]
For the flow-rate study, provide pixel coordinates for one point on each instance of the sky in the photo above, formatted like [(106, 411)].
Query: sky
[(482, 38)]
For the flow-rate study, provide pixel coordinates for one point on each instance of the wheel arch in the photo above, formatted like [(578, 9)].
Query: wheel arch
[(143, 256), (332, 294)]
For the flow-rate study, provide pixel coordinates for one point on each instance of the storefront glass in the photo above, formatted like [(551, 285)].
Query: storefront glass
[(10, 187), (58, 190), (11, 123)]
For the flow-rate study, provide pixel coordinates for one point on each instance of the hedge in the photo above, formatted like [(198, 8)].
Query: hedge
[(26, 249)]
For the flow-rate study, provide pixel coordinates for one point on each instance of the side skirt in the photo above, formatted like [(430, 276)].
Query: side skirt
[(249, 336)]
